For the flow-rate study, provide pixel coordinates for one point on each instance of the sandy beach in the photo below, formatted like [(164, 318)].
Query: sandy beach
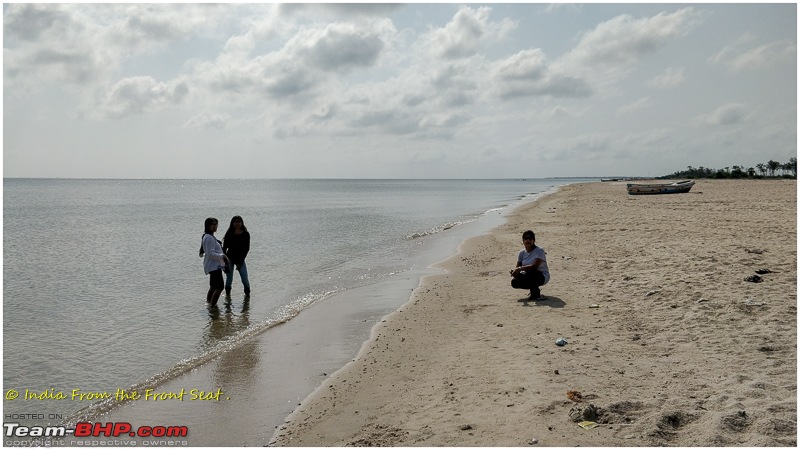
[(668, 344)]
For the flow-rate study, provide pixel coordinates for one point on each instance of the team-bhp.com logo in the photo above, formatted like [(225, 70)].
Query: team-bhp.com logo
[(86, 429)]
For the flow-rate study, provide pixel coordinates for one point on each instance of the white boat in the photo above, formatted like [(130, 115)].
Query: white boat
[(660, 188)]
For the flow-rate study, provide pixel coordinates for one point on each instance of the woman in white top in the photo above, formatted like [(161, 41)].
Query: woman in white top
[(213, 261), (531, 271)]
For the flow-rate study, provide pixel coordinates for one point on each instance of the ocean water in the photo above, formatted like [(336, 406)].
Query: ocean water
[(103, 287)]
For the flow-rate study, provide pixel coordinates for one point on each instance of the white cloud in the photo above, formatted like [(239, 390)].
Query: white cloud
[(208, 121), (261, 28), (340, 46), (464, 35), (29, 22), (528, 73), (324, 11), (671, 78), (461, 37), (84, 44), (561, 112), (633, 107), (737, 59), (304, 68), (145, 27), (60, 63), (419, 79), (728, 114), (599, 58), (138, 95), (288, 79), (50, 43), (624, 39), (569, 7)]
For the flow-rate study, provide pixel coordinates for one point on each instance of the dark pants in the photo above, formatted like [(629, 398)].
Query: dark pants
[(532, 279), (215, 280)]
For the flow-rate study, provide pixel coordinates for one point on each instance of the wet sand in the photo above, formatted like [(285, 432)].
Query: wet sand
[(266, 378), (666, 340)]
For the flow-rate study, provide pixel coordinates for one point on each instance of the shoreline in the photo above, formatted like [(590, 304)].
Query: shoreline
[(266, 377), (464, 363)]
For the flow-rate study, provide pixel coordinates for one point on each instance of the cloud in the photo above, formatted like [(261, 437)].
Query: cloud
[(670, 78), (528, 73), (463, 36), (28, 22), (568, 7), (338, 9), (80, 43), (729, 114), (305, 67), (49, 43), (262, 27), (560, 112), (392, 121), (138, 95), (609, 47), (444, 120), (272, 76), (452, 84), (287, 79), (151, 27), (737, 59), (633, 107), (623, 39), (340, 46), (527, 65), (142, 28), (589, 146), (76, 66), (208, 121), (324, 113)]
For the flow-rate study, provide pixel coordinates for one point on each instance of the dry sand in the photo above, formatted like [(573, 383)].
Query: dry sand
[(682, 351)]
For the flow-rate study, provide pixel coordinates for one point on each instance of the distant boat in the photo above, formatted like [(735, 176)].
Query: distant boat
[(660, 188)]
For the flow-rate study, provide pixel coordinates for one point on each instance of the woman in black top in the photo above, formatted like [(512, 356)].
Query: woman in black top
[(235, 245)]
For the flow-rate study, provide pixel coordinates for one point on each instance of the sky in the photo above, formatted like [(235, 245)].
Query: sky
[(395, 91)]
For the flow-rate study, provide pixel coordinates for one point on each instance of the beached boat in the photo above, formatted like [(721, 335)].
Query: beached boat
[(660, 188)]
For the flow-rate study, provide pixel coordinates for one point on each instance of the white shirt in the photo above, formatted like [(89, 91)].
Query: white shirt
[(527, 259), (213, 258)]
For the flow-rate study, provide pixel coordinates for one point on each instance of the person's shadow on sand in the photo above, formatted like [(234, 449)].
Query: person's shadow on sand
[(545, 300)]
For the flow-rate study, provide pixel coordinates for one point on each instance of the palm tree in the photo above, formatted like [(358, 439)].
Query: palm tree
[(773, 166), (762, 168)]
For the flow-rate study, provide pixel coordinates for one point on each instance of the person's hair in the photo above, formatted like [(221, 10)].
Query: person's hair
[(209, 222), (230, 228), (528, 233)]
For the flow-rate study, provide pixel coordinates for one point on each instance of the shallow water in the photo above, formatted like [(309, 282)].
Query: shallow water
[(104, 289)]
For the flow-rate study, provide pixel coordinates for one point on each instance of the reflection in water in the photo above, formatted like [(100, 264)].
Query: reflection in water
[(224, 324), (235, 371)]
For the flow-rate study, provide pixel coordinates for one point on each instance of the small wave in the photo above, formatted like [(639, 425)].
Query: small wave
[(282, 315), (437, 230)]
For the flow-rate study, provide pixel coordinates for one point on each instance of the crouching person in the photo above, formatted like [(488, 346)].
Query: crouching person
[(531, 271)]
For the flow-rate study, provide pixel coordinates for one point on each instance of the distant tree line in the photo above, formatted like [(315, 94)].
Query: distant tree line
[(770, 169)]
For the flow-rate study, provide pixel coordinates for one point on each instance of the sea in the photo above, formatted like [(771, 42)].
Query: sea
[(104, 291)]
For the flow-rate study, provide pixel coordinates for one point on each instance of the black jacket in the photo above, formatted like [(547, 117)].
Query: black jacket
[(236, 246)]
